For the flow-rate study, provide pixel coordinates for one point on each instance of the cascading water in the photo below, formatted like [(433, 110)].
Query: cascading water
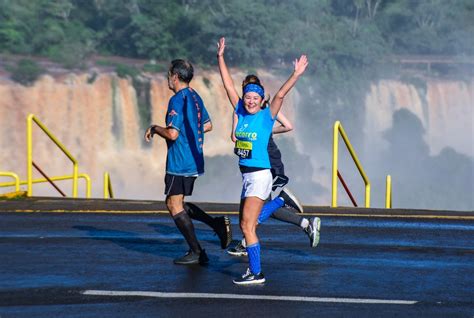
[(102, 122)]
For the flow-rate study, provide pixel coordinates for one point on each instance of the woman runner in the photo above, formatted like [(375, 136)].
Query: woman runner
[(253, 131)]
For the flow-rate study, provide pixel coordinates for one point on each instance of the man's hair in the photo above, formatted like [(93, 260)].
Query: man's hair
[(183, 69)]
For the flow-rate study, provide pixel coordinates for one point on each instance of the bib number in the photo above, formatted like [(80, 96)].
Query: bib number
[(243, 149)]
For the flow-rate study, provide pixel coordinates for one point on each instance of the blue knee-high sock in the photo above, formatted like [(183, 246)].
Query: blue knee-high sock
[(269, 208), (253, 252)]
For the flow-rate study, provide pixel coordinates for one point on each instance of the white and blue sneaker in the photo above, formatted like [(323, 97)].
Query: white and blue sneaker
[(250, 279), (312, 230)]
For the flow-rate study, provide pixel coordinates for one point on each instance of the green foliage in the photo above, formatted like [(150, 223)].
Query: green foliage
[(26, 72), (105, 63), (154, 68), (124, 71), (337, 34)]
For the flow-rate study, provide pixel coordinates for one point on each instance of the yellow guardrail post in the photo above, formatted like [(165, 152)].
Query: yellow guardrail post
[(335, 160), (84, 176), (388, 193), (16, 183), (88, 184), (108, 191), (29, 155), (339, 130), (30, 119)]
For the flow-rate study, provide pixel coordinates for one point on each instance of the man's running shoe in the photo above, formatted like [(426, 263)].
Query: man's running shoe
[(312, 230), (238, 250), (223, 230), (192, 258), (291, 200), (249, 279)]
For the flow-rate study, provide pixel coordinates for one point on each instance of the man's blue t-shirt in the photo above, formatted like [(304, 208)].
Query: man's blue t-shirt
[(187, 114), (253, 132)]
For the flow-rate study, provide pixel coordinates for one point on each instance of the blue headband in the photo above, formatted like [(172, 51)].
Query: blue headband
[(254, 88)]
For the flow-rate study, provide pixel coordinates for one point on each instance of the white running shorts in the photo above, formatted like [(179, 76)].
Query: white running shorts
[(257, 184)]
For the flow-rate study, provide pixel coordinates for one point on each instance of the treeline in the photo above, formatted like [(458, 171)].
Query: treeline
[(339, 33)]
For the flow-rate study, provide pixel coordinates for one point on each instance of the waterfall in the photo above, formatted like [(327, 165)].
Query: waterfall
[(101, 121)]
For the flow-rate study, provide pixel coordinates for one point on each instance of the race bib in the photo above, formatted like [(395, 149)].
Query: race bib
[(243, 149)]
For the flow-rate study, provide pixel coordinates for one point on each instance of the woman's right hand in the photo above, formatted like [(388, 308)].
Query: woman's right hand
[(221, 47), (225, 75)]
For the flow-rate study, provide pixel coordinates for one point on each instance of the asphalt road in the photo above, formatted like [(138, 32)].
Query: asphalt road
[(120, 265)]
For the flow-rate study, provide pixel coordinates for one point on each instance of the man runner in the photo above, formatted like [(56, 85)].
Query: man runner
[(186, 122)]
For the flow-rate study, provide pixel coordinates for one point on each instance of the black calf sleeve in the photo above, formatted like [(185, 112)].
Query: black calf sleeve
[(196, 213), (287, 215), (186, 227)]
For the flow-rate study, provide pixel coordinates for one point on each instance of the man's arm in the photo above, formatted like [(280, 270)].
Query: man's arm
[(207, 127), (169, 133)]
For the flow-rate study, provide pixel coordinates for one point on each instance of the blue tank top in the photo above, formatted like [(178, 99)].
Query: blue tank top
[(253, 132)]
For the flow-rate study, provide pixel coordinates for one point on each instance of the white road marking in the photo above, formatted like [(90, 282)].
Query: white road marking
[(250, 297)]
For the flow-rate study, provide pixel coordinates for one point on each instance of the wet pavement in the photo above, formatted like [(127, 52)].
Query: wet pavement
[(121, 265)]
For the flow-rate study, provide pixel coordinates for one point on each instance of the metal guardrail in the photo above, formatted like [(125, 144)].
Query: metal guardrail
[(344, 185), (388, 192), (108, 191), (30, 119), (84, 176), (15, 183), (339, 130)]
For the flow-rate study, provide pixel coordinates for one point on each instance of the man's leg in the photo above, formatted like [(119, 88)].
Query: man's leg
[(220, 225), (183, 221), (310, 226), (176, 190)]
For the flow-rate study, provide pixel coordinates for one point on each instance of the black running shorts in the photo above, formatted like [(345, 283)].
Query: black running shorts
[(175, 185)]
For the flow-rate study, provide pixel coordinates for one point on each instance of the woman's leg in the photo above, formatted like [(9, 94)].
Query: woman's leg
[(251, 207), (250, 211)]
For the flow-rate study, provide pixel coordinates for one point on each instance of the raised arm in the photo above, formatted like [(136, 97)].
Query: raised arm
[(225, 75), (284, 124), (300, 67)]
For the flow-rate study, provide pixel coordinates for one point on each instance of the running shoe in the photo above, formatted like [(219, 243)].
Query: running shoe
[(290, 200), (312, 230), (192, 258), (223, 230), (250, 279), (238, 250)]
